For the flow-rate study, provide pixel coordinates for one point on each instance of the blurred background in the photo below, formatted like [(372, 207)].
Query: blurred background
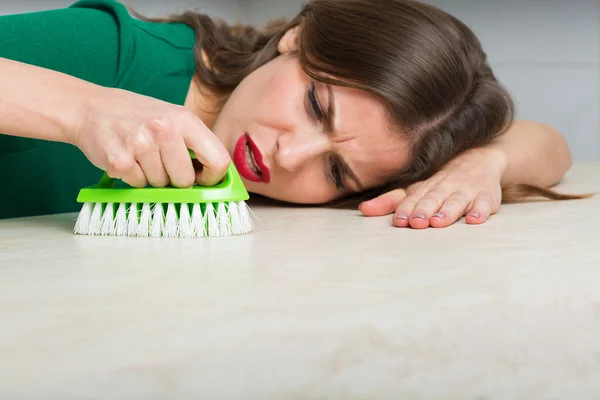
[(546, 52)]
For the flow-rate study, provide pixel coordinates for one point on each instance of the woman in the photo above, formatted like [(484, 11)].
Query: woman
[(391, 99)]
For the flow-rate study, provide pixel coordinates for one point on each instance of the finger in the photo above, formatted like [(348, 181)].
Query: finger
[(428, 206), (152, 165), (209, 151), (148, 157), (177, 163), (135, 176), (118, 163), (481, 210), (404, 210), (384, 204), (452, 209)]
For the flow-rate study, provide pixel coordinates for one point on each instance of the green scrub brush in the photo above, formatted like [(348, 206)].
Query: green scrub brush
[(199, 211)]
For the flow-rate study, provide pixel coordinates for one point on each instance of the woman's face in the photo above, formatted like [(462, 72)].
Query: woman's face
[(301, 141)]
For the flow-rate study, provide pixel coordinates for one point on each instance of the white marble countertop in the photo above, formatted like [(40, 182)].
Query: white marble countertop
[(314, 304)]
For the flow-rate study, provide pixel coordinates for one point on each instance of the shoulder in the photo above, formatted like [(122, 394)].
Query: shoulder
[(112, 6), (175, 34), (157, 57)]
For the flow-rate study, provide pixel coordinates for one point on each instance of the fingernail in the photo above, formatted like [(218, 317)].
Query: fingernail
[(439, 215), (475, 215), (419, 216), (401, 216)]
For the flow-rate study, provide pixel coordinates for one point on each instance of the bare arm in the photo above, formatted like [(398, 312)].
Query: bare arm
[(536, 154), (528, 153), (40, 103), (133, 137)]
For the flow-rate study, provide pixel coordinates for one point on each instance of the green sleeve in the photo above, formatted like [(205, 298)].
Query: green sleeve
[(87, 43), (97, 41)]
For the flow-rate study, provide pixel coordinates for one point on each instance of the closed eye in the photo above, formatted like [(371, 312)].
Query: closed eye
[(335, 171), (336, 174), (313, 101)]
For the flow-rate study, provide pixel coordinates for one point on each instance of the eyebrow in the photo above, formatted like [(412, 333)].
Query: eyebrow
[(329, 127)]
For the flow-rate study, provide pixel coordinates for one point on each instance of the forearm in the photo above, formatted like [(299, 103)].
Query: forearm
[(536, 154), (40, 103)]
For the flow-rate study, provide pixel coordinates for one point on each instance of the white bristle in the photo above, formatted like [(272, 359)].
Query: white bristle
[(211, 220), (144, 226), (234, 217), (223, 220), (171, 222), (245, 221), (198, 221), (121, 220), (132, 220), (107, 221), (83, 220), (95, 220), (241, 223), (158, 221), (163, 220), (185, 222)]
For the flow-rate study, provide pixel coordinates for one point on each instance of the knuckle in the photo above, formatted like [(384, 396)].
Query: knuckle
[(431, 200), (188, 181), (487, 197), (222, 162), (454, 203), (462, 196), (184, 181), (117, 164), (184, 117), (425, 206), (159, 123), (141, 143), (161, 127), (411, 200), (436, 193), (159, 182), (135, 181)]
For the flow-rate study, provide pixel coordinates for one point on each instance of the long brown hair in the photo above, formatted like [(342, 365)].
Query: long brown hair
[(427, 66)]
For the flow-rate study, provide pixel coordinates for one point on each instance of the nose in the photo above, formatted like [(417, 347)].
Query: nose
[(294, 149)]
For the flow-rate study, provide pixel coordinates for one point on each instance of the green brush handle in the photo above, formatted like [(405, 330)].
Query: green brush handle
[(230, 189)]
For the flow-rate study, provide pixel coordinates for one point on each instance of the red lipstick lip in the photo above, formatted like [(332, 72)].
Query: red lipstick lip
[(258, 157), (242, 164)]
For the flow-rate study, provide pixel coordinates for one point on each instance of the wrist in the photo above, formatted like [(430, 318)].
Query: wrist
[(491, 157), (88, 99), (496, 158)]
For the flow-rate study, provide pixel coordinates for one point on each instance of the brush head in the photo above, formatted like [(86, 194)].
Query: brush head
[(199, 211), (172, 220)]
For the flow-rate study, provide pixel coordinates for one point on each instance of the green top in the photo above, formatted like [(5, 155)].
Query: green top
[(98, 41)]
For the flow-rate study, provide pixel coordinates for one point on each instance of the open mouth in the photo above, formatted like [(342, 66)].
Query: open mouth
[(249, 161)]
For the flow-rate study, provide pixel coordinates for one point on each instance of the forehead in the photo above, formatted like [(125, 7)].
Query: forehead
[(366, 139)]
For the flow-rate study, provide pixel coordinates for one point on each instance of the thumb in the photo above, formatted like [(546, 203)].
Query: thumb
[(384, 204)]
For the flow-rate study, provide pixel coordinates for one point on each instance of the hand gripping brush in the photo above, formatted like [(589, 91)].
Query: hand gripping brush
[(199, 211)]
